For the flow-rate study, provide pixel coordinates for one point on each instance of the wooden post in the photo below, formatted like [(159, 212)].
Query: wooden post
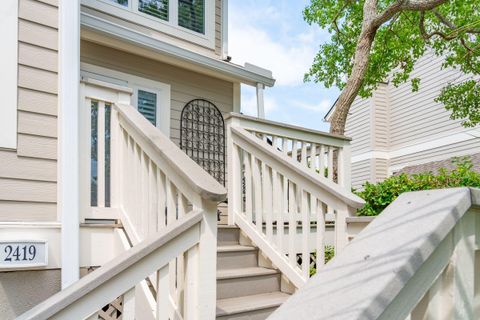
[(207, 264), (233, 174)]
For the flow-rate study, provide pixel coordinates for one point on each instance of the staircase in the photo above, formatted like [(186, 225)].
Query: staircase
[(245, 290)]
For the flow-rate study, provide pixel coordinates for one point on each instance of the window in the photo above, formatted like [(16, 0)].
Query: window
[(147, 105), (156, 8), (120, 2), (191, 15), (191, 20)]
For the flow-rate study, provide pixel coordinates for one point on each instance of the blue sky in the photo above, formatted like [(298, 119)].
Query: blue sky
[(273, 35)]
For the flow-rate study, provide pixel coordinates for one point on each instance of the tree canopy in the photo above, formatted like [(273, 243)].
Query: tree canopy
[(375, 40)]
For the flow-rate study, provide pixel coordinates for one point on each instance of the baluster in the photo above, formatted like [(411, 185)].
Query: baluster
[(248, 187), (277, 205), (294, 150), (164, 310), (128, 312), (144, 193), (153, 196), (283, 201), (303, 160), (162, 200), (101, 155), (330, 163), (313, 157), (292, 223), (191, 283), (138, 191), (275, 142), (257, 193), (267, 200), (182, 211), (321, 160), (171, 218), (305, 235), (320, 241), (285, 145)]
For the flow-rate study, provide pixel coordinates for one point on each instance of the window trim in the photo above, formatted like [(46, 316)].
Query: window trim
[(9, 74), (130, 13), (162, 90)]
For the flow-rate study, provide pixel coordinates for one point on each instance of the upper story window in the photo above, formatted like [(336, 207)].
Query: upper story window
[(189, 14)]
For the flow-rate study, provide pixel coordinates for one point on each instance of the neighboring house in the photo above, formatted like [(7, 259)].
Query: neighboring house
[(397, 129), (120, 134)]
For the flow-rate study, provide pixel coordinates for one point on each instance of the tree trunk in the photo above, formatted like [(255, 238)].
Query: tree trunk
[(359, 70)]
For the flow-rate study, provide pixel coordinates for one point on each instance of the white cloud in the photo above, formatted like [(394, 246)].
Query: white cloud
[(287, 55), (322, 107), (249, 103)]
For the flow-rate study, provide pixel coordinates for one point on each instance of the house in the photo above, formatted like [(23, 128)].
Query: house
[(120, 138), (397, 130)]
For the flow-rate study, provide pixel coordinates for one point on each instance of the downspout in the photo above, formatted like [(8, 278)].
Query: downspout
[(69, 139)]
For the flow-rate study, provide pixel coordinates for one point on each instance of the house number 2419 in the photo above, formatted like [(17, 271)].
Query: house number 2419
[(20, 253)]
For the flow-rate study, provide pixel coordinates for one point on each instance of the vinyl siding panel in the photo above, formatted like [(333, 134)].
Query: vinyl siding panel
[(453, 150), (381, 118), (185, 85), (361, 172), (380, 169), (28, 175), (415, 116), (358, 126), (218, 27)]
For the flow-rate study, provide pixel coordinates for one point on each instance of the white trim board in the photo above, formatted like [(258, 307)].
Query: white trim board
[(429, 145), (8, 76), (134, 82), (171, 27)]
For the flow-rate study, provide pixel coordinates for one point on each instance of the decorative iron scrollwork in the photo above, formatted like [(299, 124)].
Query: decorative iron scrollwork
[(202, 136)]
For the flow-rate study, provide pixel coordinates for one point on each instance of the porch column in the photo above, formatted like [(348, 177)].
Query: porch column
[(69, 139), (260, 101)]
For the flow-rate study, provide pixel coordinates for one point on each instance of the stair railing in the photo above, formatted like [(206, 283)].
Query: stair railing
[(123, 274), (150, 184), (281, 204), (418, 260)]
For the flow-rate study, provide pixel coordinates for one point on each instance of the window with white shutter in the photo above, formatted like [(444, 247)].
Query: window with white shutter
[(191, 15), (147, 105)]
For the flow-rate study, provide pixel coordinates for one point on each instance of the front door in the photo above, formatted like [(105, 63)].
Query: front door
[(202, 136)]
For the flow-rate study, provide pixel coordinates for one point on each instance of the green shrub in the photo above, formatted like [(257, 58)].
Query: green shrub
[(378, 196)]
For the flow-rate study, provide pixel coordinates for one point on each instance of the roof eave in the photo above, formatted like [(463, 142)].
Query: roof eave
[(245, 74)]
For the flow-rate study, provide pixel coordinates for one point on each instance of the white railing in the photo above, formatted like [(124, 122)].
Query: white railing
[(418, 260), (272, 197), (123, 274), (321, 152), (141, 177)]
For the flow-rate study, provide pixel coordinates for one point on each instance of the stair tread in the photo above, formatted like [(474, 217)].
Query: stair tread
[(250, 303), (234, 248), (244, 272), (226, 226)]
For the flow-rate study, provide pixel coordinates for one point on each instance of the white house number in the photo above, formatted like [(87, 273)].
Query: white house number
[(23, 254)]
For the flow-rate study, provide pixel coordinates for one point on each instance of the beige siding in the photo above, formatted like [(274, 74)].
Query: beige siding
[(218, 27), (380, 115), (358, 126), (185, 85), (458, 149), (415, 116), (28, 175), (361, 172)]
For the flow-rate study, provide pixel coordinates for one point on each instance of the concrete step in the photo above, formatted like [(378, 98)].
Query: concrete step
[(254, 307), (236, 256), (228, 235), (233, 283)]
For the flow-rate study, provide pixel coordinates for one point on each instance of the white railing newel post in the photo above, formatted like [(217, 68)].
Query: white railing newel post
[(234, 173), (207, 263)]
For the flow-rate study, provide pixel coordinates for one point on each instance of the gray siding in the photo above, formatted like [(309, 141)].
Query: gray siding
[(28, 175)]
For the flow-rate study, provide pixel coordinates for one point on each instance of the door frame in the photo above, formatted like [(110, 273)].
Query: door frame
[(135, 83)]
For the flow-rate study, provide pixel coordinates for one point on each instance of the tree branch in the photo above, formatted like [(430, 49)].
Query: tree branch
[(406, 5)]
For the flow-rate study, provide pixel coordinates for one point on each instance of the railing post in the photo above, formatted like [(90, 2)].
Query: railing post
[(207, 264), (233, 173), (341, 233)]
